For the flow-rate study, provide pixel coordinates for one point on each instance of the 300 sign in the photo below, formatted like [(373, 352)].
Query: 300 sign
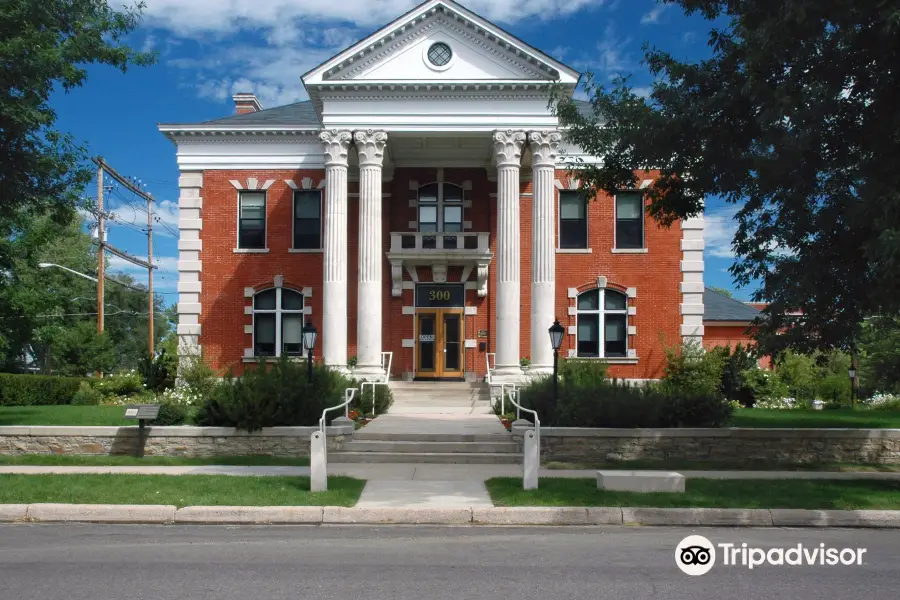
[(440, 296), (444, 295)]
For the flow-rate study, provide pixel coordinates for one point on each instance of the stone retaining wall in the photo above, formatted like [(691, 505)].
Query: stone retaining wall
[(734, 446), (166, 441)]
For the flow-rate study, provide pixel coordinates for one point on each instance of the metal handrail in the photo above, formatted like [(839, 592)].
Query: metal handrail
[(537, 422), (385, 357), (487, 360), (349, 395), (390, 362)]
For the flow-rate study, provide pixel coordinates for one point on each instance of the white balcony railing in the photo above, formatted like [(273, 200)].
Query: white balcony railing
[(471, 241)]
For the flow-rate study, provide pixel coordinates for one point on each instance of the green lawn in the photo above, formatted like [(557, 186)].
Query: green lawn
[(64, 415), (712, 465), (187, 490), (153, 461), (706, 493), (837, 418)]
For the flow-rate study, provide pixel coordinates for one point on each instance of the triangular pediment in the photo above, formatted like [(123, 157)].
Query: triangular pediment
[(480, 51)]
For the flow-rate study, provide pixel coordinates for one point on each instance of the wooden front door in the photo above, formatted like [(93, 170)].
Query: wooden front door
[(439, 343)]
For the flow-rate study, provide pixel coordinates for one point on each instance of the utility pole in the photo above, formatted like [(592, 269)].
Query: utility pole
[(148, 264), (100, 254)]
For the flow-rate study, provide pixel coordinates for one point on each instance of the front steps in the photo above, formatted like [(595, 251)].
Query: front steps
[(433, 422)]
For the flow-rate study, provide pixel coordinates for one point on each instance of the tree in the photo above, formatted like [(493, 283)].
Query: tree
[(723, 291), (45, 46), (794, 119)]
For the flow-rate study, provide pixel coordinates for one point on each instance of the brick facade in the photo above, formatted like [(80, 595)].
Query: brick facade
[(653, 276)]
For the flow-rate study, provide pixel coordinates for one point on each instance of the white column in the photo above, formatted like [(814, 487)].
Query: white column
[(334, 295), (370, 144), (544, 150), (692, 286), (508, 154), (190, 267)]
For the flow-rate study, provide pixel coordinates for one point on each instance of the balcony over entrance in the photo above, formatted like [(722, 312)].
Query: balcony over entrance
[(438, 250)]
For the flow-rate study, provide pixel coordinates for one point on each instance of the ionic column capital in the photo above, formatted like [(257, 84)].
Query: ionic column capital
[(337, 146), (508, 147), (544, 147), (370, 144)]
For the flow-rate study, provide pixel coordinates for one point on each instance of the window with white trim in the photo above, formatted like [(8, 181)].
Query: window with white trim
[(278, 323), (629, 220), (572, 220), (307, 220), (252, 221), (440, 211), (602, 324)]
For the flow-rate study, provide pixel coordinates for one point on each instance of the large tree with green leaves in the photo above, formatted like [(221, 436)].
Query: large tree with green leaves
[(45, 46), (794, 118)]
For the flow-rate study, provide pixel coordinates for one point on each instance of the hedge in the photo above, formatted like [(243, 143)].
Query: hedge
[(37, 390)]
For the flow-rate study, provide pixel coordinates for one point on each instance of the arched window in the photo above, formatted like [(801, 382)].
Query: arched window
[(602, 324), (441, 210), (278, 323)]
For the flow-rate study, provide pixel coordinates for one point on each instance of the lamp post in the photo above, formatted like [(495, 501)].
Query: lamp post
[(852, 373), (309, 340), (556, 335)]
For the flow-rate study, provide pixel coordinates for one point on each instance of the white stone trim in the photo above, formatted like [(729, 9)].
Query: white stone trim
[(409, 310), (471, 311), (632, 330), (307, 292), (573, 311), (471, 285), (248, 310), (632, 311), (409, 285), (408, 343), (248, 329), (251, 250), (629, 250), (292, 184), (236, 184), (190, 266), (692, 285), (573, 330), (631, 292), (471, 344), (572, 292), (269, 183), (574, 251)]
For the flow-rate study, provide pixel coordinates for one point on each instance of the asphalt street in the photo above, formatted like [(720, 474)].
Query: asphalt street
[(96, 562)]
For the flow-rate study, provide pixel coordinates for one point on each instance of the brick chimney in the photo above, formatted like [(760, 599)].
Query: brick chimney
[(246, 103)]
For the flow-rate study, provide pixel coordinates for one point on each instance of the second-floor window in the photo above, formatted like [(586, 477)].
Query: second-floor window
[(252, 221), (440, 211), (307, 220), (629, 220), (572, 220)]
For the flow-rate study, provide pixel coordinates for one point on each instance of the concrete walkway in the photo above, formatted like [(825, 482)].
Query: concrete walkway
[(418, 472)]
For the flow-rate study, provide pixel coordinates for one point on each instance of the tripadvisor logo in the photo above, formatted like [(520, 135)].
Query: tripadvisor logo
[(696, 555)]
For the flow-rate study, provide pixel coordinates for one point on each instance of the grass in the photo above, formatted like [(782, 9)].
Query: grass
[(153, 461), (711, 465), (854, 418), (706, 493), (187, 490), (64, 415)]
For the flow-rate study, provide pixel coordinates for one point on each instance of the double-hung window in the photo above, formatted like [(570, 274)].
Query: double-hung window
[(440, 211), (629, 220), (602, 329), (572, 220), (307, 220), (252, 221), (278, 323)]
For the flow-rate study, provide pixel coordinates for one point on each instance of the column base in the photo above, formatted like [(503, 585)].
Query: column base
[(539, 370), (339, 368), (369, 372), (508, 374)]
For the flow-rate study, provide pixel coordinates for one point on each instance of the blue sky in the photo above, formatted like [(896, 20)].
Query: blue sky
[(210, 49)]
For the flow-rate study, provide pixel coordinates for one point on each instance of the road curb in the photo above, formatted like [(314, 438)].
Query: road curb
[(522, 516)]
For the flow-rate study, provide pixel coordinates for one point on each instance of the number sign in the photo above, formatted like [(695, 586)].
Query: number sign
[(438, 296)]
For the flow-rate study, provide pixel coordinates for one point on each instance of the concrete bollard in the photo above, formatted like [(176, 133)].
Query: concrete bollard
[(318, 467), (531, 462)]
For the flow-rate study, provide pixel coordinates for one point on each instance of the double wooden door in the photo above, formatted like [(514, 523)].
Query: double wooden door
[(439, 343)]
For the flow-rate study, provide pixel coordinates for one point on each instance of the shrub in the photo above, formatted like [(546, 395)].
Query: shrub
[(363, 401), (126, 383), (763, 386), (524, 362), (86, 395), (156, 372), (737, 364), (697, 410), (692, 371), (37, 390), (273, 396), (798, 374), (198, 377), (883, 402)]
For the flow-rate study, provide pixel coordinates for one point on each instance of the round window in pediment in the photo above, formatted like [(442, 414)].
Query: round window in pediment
[(440, 54)]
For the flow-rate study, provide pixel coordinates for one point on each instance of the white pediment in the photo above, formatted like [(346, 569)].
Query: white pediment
[(481, 52)]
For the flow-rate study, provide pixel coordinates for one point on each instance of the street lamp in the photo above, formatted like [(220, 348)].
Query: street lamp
[(556, 336), (72, 271), (852, 372), (309, 340)]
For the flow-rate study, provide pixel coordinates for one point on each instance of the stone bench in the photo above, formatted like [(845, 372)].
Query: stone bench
[(640, 481)]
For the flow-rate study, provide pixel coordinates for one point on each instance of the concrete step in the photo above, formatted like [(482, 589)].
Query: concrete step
[(425, 457), (439, 401), (431, 447), (419, 409), (439, 394), (369, 436)]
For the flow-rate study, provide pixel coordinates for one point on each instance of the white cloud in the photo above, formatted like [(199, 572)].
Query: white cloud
[(689, 37), (609, 58), (652, 17), (719, 229), (165, 217), (265, 46)]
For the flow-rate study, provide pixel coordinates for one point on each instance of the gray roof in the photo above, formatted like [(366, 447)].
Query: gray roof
[(299, 114), (302, 114), (718, 307)]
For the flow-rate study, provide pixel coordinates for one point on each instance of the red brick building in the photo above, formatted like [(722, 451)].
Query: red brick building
[(422, 204)]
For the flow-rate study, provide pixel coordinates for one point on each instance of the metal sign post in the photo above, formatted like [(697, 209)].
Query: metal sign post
[(143, 413)]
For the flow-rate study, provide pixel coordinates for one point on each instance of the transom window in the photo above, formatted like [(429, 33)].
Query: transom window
[(629, 220), (602, 328), (440, 210), (252, 221), (278, 323), (572, 220), (307, 220), (440, 54)]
